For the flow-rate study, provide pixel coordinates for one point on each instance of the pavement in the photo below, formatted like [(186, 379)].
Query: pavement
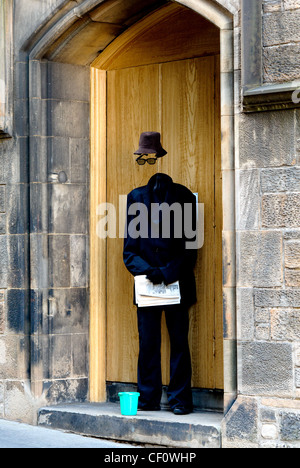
[(17, 435)]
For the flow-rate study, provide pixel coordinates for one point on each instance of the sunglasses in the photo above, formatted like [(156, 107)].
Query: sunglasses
[(142, 162)]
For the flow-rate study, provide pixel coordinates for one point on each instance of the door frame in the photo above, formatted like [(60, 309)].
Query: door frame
[(98, 259)]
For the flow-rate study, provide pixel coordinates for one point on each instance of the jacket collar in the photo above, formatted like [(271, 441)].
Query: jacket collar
[(164, 179), (160, 188)]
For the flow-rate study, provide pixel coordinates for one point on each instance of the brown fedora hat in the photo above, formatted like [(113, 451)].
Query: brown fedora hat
[(150, 144)]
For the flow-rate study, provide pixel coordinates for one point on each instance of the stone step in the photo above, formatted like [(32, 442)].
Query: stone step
[(161, 428)]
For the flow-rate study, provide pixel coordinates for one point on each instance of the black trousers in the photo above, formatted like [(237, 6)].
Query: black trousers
[(149, 364)]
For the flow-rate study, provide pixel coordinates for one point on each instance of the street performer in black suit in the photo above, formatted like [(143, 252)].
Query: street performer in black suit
[(164, 251)]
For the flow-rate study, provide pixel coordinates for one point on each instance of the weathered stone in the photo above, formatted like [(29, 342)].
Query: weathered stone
[(280, 180), (2, 224), (297, 355), (292, 254), (17, 203), (62, 390), (272, 5), (267, 415), (260, 254), (249, 200), (68, 82), (262, 315), (277, 298), (12, 357), (80, 355), (297, 378), (2, 199), (292, 278), (59, 156), (78, 261), (2, 400), (290, 426), (69, 209), (17, 261), (39, 208), (262, 332), (106, 421), (240, 426), (281, 27), (17, 321), (2, 318), (245, 314), (285, 325), (292, 234), (68, 119), (281, 63), (19, 403), (59, 261), (266, 368), (267, 139), (79, 157), (61, 359), (291, 4), (269, 431), (38, 159), (3, 262), (281, 210), (68, 311), (13, 157)]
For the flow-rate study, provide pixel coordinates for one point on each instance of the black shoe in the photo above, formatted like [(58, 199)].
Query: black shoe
[(181, 410)]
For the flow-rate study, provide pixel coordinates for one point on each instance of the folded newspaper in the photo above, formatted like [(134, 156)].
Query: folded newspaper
[(148, 294)]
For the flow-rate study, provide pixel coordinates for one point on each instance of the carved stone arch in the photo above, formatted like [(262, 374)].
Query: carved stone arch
[(58, 40)]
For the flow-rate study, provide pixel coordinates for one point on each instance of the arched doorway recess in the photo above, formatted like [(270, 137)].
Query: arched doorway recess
[(75, 35), (168, 64)]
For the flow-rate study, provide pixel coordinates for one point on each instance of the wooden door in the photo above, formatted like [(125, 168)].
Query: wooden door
[(180, 99)]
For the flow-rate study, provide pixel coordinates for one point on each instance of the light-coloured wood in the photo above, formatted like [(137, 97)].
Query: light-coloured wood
[(132, 106), (170, 33), (188, 96), (180, 101), (98, 258)]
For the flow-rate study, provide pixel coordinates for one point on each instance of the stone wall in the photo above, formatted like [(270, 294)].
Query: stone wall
[(267, 410), (59, 228), (44, 301), (281, 40), (44, 295)]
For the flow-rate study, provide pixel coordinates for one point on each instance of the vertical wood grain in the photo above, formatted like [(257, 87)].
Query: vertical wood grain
[(133, 107), (181, 100), (98, 258)]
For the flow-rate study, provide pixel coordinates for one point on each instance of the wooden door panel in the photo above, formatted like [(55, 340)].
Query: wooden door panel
[(178, 100), (133, 105), (188, 128)]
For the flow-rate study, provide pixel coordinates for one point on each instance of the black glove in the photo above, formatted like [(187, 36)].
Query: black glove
[(156, 276)]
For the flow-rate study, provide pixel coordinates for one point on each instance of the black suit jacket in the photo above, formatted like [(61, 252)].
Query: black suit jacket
[(151, 249)]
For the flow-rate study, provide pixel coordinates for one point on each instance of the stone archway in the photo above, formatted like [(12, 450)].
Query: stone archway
[(59, 41)]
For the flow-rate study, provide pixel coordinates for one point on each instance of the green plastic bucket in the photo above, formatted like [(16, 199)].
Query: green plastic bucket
[(129, 403)]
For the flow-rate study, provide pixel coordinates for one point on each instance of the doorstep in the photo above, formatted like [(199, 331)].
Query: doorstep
[(161, 428)]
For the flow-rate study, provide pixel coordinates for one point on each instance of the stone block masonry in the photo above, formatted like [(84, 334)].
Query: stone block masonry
[(2, 311), (59, 241), (268, 272), (45, 166), (281, 40)]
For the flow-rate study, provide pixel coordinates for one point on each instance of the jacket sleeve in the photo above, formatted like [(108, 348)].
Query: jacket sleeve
[(134, 263), (174, 270), (185, 259)]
